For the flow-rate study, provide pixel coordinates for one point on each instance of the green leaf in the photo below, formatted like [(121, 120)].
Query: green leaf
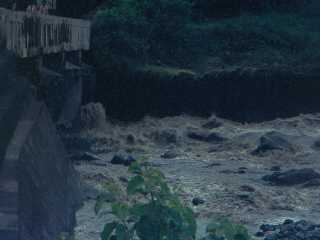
[(135, 168), (135, 185), (138, 210), (108, 230), (122, 232), (121, 210)]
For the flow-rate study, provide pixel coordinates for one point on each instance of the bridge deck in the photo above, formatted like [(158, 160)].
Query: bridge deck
[(29, 35)]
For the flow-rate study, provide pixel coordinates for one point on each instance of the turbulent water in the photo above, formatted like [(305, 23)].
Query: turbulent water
[(224, 172)]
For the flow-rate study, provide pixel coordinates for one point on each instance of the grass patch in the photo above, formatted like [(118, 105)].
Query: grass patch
[(167, 71)]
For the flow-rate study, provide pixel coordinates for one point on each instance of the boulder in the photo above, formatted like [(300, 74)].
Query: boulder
[(292, 177), (122, 160), (92, 116), (273, 141)]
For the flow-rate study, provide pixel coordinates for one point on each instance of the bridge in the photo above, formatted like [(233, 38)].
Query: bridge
[(34, 34), (26, 210)]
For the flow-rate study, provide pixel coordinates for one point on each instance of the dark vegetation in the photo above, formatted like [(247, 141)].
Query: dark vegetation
[(151, 56), (150, 209), (175, 32)]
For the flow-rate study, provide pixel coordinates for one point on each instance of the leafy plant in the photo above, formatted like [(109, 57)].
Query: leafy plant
[(152, 212), (224, 229)]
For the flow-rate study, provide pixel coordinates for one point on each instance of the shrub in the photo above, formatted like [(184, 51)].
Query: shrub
[(158, 215), (223, 229)]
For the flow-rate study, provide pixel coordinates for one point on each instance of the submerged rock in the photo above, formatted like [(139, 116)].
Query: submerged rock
[(290, 230), (273, 141), (275, 169), (214, 138), (197, 201), (170, 154), (122, 160), (130, 139), (292, 177)]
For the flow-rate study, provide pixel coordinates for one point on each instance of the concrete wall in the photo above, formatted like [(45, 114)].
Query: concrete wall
[(48, 184)]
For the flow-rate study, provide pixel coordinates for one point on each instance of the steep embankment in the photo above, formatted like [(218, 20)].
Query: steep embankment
[(247, 67), (239, 93)]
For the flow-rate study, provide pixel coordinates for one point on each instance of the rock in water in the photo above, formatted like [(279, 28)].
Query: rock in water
[(199, 136), (273, 141), (197, 201), (129, 161), (292, 177), (122, 160), (92, 116), (118, 160), (130, 139), (290, 230), (214, 138), (170, 154)]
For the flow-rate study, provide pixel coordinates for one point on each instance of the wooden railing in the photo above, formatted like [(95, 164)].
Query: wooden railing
[(32, 34)]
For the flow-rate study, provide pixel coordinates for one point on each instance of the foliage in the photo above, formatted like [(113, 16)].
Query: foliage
[(164, 32), (138, 28), (223, 229), (257, 40), (231, 8), (153, 211)]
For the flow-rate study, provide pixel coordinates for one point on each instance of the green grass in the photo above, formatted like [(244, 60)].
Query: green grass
[(167, 71)]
